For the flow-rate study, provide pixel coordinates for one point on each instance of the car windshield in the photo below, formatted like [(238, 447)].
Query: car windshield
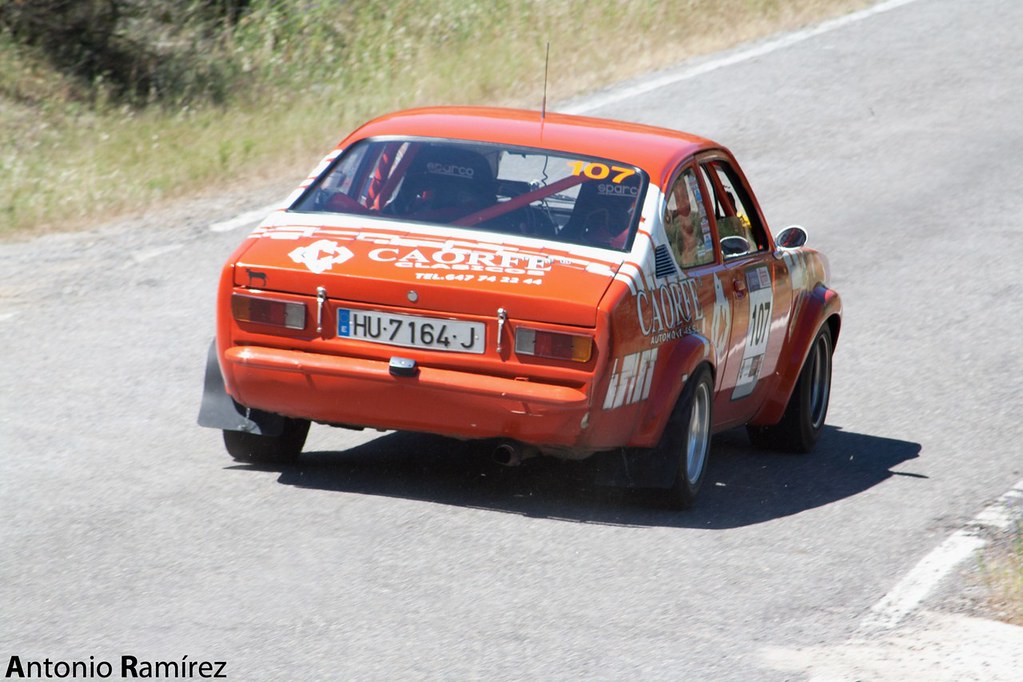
[(533, 192)]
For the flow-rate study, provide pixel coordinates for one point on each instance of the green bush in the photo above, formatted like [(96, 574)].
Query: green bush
[(135, 51)]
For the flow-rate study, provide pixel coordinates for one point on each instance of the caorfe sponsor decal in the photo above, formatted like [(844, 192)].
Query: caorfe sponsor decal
[(670, 305), (321, 255), (463, 260)]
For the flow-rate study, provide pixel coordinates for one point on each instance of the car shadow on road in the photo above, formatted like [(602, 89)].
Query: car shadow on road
[(743, 486)]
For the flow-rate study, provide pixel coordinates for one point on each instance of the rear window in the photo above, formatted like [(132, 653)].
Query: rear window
[(533, 192)]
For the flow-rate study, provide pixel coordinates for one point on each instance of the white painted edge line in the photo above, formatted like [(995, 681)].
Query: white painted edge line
[(730, 59), (149, 254), (914, 588), (243, 219)]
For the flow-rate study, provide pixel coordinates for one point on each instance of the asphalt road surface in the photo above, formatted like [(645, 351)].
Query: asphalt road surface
[(126, 530)]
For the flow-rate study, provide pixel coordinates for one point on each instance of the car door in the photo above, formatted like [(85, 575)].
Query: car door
[(754, 285)]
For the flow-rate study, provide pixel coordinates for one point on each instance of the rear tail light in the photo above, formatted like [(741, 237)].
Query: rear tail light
[(268, 311), (555, 345)]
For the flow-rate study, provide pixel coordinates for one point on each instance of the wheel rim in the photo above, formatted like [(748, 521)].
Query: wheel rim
[(698, 436), (820, 382)]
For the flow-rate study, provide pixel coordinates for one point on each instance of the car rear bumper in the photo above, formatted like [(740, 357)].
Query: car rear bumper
[(363, 392)]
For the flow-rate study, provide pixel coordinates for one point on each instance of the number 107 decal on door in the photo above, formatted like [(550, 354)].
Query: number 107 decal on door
[(761, 298)]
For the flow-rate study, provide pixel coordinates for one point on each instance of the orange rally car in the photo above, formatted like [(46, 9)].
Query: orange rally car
[(565, 285)]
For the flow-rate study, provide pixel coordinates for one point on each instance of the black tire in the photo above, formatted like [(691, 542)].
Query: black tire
[(803, 421), (257, 449), (686, 438)]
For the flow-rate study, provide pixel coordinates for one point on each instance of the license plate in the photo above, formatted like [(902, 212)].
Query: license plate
[(411, 331)]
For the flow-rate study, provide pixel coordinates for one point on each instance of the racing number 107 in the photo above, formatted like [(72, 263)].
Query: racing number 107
[(760, 319), (599, 171)]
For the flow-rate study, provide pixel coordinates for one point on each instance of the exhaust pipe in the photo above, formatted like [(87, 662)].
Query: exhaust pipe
[(511, 454)]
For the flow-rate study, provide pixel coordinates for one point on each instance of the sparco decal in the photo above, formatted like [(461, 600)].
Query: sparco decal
[(611, 190), (450, 169), (667, 307), (463, 260)]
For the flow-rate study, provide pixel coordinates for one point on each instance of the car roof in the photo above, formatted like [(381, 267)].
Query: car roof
[(655, 150)]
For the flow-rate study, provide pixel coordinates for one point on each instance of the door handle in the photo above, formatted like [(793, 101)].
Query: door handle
[(739, 287)]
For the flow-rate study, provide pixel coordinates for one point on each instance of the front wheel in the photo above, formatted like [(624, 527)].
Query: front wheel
[(803, 421), (259, 449), (686, 438)]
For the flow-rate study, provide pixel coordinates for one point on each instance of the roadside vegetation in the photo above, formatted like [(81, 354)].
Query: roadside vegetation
[(108, 107), (1001, 569)]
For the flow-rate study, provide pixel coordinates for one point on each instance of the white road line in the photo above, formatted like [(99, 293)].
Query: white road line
[(149, 254), (242, 219), (773, 45), (914, 588), (911, 591)]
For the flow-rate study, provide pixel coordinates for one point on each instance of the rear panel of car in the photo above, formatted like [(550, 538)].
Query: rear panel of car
[(507, 339)]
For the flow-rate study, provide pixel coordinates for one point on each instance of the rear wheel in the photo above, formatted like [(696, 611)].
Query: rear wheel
[(255, 448), (686, 438), (803, 421)]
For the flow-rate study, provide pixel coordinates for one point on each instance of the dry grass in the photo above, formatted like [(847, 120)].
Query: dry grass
[(305, 78), (1002, 572)]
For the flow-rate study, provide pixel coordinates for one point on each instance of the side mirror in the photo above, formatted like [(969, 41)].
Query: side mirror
[(734, 246), (791, 237)]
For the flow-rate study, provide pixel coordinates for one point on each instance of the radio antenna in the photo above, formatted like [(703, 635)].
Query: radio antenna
[(546, 65)]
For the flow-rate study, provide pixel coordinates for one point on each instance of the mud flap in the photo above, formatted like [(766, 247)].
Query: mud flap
[(634, 468), (221, 411)]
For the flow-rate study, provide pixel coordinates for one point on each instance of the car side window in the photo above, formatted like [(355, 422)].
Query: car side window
[(739, 227), (686, 223)]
